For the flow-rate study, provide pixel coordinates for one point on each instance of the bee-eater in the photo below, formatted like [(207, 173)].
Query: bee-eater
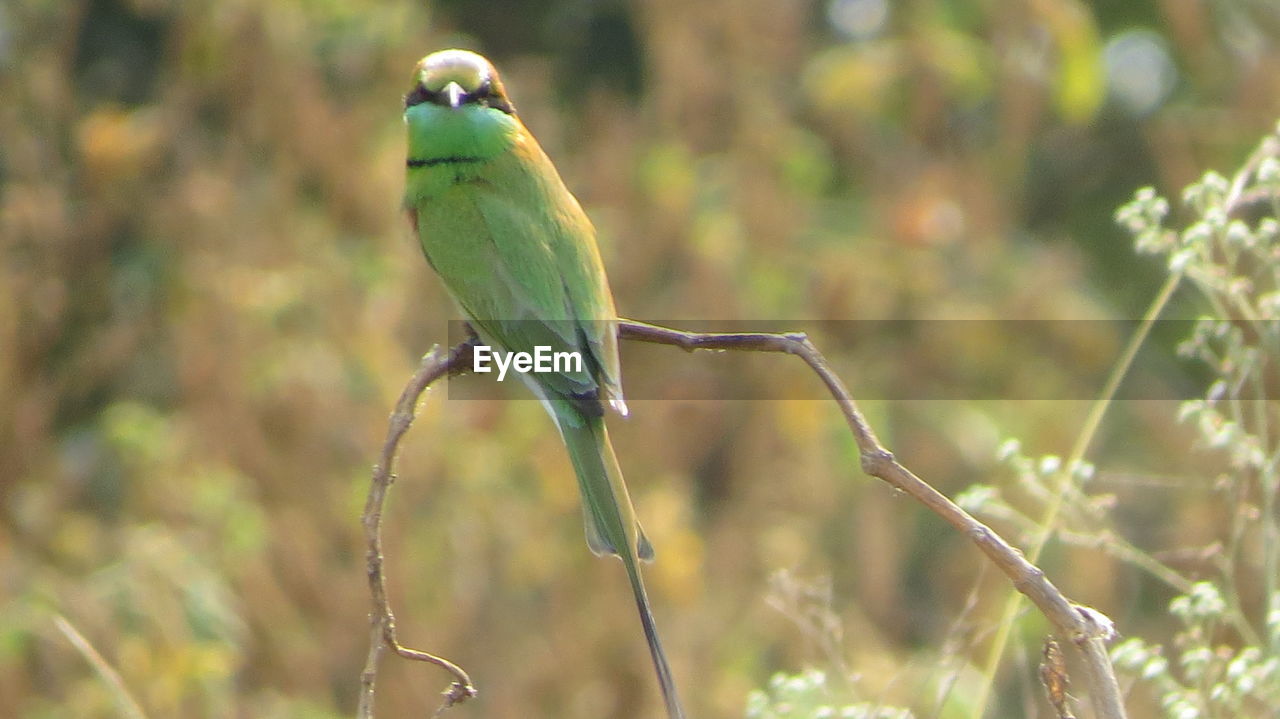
[(519, 257)]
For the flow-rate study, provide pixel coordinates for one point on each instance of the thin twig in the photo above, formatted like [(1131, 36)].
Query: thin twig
[(435, 364), (129, 706)]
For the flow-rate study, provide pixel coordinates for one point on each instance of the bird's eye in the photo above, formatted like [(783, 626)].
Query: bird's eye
[(487, 97), (419, 95), (499, 103)]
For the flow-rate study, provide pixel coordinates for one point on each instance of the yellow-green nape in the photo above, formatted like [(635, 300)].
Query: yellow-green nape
[(470, 70)]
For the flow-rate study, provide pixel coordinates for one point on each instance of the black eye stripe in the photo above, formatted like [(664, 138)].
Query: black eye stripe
[(419, 95), (483, 95)]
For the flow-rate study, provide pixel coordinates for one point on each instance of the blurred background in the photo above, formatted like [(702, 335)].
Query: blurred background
[(210, 300)]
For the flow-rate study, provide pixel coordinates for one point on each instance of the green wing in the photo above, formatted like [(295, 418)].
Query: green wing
[(523, 264)]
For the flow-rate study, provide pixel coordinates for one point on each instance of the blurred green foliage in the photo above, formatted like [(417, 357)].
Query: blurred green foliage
[(209, 302)]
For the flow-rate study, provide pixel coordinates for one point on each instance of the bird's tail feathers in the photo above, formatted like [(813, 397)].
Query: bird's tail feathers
[(668, 683), (608, 514), (612, 526)]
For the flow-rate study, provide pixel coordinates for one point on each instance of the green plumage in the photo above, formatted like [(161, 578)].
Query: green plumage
[(519, 256)]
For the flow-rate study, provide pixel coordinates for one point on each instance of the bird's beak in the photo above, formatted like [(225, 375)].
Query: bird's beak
[(454, 92)]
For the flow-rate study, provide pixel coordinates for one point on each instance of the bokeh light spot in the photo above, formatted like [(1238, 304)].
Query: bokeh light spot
[(858, 19), (1140, 73)]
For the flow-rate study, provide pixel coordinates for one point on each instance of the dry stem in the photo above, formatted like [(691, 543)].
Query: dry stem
[(434, 365), (1086, 628)]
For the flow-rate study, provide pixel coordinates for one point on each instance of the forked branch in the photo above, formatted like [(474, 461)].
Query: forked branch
[(1086, 628)]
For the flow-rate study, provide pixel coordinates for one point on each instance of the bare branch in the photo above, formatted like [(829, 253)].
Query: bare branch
[(1086, 628), (435, 364)]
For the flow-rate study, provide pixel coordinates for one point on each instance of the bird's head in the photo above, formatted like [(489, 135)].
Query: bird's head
[(458, 78)]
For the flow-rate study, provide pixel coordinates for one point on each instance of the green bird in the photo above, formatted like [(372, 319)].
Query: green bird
[(519, 257)]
